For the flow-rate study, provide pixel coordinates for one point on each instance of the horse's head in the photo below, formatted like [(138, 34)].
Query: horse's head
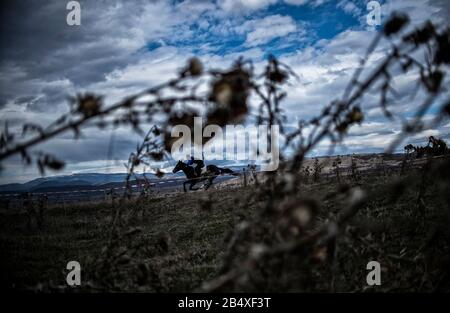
[(178, 167)]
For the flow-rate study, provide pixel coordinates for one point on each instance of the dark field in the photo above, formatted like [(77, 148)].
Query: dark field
[(178, 242)]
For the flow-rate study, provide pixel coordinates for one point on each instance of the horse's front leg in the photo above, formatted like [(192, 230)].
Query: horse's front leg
[(195, 182), (184, 185), (192, 186), (209, 182)]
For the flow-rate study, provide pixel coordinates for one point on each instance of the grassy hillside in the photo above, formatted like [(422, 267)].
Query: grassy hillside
[(177, 242)]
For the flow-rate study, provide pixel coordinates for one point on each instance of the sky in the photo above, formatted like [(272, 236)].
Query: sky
[(122, 47)]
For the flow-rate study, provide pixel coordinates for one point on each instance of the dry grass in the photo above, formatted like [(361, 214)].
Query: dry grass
[(181, 240)]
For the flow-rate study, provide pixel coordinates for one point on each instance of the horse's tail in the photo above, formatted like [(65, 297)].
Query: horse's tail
[(224, 170)]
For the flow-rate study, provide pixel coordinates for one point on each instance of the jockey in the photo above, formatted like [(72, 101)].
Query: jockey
[(199, 165), (189, 161)]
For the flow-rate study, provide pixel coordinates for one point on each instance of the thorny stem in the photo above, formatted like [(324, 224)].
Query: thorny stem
[(74, 125)]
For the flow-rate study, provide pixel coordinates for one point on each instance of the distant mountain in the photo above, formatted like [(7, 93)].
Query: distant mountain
[(67, 181)]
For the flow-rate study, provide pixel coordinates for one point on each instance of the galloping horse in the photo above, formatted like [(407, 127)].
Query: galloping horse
[(212, 171)]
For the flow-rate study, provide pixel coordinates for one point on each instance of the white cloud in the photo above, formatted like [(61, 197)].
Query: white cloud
[(313, 3), (270, 27), (238, 5), (252, 5), (348, 6)]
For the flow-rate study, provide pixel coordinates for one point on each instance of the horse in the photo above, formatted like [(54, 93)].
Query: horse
[(212, 171)]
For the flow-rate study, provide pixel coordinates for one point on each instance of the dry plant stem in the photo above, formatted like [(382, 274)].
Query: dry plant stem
[(323, 235), (298, 158), (84, 119)]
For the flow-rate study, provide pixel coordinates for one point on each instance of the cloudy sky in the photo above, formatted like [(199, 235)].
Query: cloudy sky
[(122, 47)]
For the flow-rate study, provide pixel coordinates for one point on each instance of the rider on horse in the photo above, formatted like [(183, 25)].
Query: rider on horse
[(194, 175), (199, 164)]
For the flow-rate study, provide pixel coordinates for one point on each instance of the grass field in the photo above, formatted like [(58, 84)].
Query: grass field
[(176, 243)]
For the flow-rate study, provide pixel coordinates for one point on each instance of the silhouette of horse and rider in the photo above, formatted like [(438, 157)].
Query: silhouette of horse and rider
[(196, 174)]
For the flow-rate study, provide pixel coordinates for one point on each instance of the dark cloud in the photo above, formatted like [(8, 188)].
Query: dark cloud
[(24, 99)]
